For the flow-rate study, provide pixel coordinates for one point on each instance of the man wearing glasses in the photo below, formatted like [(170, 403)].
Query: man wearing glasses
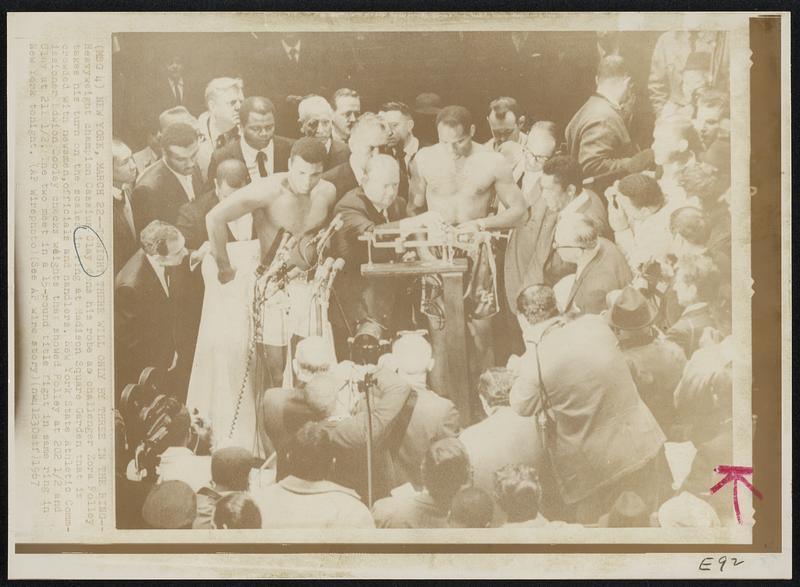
[(540, 145)]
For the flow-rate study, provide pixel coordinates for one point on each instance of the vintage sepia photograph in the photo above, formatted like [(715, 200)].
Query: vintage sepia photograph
[(399, 295), (420, 280)]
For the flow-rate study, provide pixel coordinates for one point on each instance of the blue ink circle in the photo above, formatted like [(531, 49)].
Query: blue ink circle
[(78, 253)]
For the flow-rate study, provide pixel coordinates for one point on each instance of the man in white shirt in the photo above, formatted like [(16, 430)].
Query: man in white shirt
[(540, 145), (224, 97), (402, 142)]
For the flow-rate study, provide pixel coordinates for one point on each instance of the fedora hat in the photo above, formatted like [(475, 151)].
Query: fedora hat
[(631, 310)]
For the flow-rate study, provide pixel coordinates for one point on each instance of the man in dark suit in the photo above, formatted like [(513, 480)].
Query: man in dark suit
[(315, 116), (126, 241), (358, 298), (231, 175), (370, 136), (146, 298), (170, 183), (601, 266), (287, 69), (697, 283), (598, 136), (259, 148)]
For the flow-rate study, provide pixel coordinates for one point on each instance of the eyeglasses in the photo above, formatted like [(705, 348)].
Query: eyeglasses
[(534, 157)]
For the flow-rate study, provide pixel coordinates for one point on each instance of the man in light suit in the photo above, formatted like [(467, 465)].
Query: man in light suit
[(231, 175), (258, 147), (126, 241), (175, 180), (597, 432), (601, 266)]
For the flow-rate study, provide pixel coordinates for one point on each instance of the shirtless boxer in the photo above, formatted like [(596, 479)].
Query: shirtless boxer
[(458, 179), (297, 201)]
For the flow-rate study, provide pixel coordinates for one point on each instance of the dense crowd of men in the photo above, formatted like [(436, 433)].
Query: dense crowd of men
[(600, 346)]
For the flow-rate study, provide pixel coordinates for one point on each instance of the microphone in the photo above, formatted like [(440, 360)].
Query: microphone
[(338, 265), (322, 273)]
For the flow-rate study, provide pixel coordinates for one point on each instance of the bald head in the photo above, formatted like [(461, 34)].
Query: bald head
[(231, 175), (413, 355), (313, 356)]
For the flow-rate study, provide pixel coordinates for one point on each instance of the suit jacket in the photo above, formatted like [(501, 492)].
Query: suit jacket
[(607, 271), (598, 137), (126, 243), (282, 148), (192, 220), (359, 297), (434, 417), (339, 153), (530, 258), (145, 325), (158, 195), (342, 177), (686, 332), (603, 431)]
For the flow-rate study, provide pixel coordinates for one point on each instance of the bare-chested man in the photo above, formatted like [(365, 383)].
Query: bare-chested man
[(457, 179), (297, 201)]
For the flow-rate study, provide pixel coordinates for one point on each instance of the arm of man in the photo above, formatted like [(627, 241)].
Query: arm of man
[(597, 147), (451, 423), (191, 226), (511, 196), (247, 199), (524, 397), (658, 82), (352, 432), (417, 188)]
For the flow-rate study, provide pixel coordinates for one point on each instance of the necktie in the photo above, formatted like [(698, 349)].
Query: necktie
[(261, 160), (168, 279), (385, 213)]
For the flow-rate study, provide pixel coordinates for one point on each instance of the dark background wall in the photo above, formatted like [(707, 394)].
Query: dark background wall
[(551, 79)]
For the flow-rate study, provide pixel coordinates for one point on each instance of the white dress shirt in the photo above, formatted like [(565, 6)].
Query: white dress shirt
[(186, 183), (410, 149), (160, 272), (250, 155), (288, 48), (177, 89), (120, 196)]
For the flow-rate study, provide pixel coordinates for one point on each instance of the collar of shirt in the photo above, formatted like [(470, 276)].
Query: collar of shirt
[(160, 273), (178, 82), (208, 127), (288, 48), (614, 105), (250, 155), (301, 486), (359, 173), (117, 193), (576, 203), (185, 181), (582, 265), (410, 148)]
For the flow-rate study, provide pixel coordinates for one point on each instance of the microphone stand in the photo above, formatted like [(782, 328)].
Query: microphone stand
[(366, 388)]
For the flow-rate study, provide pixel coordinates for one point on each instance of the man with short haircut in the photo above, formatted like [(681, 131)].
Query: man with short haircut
[(506, 122), (676, 146), (433, 418), (152, 153), (530, 257), (170, 183), (598, 135), (315, 117), (402, 142), (230, 472), (231, 174), (370, 137), (145, 312), (220, 123), (503, 436), (540, 145), (346, 109), (126, 240), (259, 148), (518, 493), (459, 180), (600, 266), (593, 409), (308, 498), (697, 286), (710, 111), (445, 470), (471, 508), (297, 202)]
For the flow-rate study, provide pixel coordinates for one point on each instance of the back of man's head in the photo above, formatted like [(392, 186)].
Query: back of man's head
[(642, 190), (537, 303), (691, 224), (237, 511), (566, 171), (312, 357), (445, 469), (517, 491), (310, 452), (320, 394), (471, 508), (494, 386), (412, 354), (577, 229), (232, 172), (612, 67), (230, 468)]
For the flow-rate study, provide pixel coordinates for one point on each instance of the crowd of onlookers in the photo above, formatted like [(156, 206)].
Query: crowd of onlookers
[(611, 400)]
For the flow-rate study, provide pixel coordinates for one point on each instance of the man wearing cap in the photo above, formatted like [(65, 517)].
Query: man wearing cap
[(656, 364), (600, 265), (598, 434)]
